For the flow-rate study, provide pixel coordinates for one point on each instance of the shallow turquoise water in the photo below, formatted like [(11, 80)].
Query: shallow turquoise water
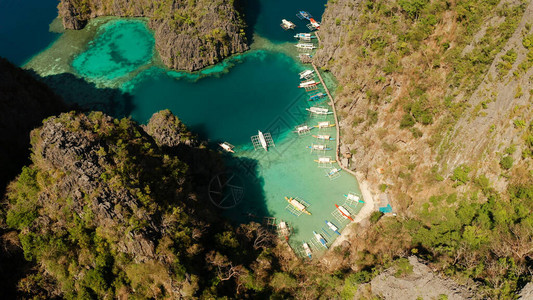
[(230, 102), (120, 47)]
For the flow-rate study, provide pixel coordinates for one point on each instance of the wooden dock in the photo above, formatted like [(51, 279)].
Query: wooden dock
[(337, 140)]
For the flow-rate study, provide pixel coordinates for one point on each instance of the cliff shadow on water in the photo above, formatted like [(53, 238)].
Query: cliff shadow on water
[(86, 96), (251, 10)]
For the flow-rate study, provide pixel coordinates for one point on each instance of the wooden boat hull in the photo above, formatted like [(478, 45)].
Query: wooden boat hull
[(341, 210), (297, 205)]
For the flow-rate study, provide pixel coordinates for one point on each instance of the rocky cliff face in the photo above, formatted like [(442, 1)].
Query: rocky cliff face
[(189, 35), (426, 91)]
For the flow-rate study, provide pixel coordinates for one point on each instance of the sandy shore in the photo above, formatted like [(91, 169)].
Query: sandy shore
[(366, 211)]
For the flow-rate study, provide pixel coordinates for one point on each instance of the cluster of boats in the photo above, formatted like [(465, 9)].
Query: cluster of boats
[(302, 15)]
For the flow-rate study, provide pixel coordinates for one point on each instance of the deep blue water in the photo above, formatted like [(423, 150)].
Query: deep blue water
[(265, 16), (24, 28)]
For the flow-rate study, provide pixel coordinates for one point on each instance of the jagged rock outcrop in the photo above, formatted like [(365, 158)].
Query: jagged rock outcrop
[(421, 282), (24, 103), (189, 35), (168, 131)]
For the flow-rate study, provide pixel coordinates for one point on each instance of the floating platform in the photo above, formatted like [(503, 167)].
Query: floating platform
[(286, 24)]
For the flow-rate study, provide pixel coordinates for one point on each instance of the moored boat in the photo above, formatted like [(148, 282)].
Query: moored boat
[(320, 239), (319, 111), (344, 212), (227, 147), (333, 172), (306, 74), (286, 24), (324, 137), (262, 140), (306, 46), (324, 160), (297, 205), (308, 83), (307, 250), (324, 124), (333, 227), (319, 147)]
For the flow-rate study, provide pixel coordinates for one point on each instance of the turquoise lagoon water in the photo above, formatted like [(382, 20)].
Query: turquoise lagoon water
[(230, 102)]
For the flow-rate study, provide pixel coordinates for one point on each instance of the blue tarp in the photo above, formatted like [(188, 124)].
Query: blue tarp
[(386, 209)]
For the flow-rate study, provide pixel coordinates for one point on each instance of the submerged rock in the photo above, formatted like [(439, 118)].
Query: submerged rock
[(189, 35)]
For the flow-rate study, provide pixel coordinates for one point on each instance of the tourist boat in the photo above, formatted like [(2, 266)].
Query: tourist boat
[(317, 96), (344, 212), (333, 172), (262, 140), (319, 110), (299, 206), (324, 137), (321, 239), (333, 227), (307, 250), (301, 129), (306, 46), (286, 24), (324, 160), (306, 74), (304, 36), (353, 198), (308, 83), (314, 23), (324, 124), (319, 147), (227, 147), (284, 230), (303, 15)]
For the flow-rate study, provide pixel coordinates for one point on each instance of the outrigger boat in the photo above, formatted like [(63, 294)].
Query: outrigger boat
[(227, 147), (344, 212), (307, 250), (314, 23), (262, 140), (306, 46), (285, 24), (324, 124), (324, 137), (319, 110), (299, 206), (303, 15), (333, 227), (306, 74), (333, 172), (319, 147), (317, 96), (324, 160), (321, 239), (354, 198), (304, 36), (304, 128), (308, 83)]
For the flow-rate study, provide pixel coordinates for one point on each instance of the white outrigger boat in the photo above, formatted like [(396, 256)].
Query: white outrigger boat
[(227, 147), (262, 140), (333, 172), (305, 46), (302, 129), (324, 137), (308, 83), (354, 198), (306, 74), (344, 212), (297, 205), (319, 111), (324, 124), (324, 160), (286, 24), (319, 147), (320, 239), (307, 250), (333, 227), (304, 36)]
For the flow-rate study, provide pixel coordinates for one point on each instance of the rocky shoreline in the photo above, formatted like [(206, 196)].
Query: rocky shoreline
[(189, 35)]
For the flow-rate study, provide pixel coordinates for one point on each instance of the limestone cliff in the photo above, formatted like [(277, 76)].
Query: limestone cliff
[(189, 35)]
